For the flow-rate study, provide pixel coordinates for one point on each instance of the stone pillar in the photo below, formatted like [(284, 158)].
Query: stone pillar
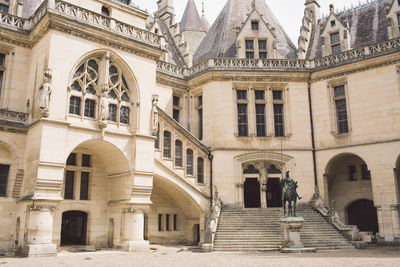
[(40, 230), (388, 222), (134, 231), (291, 235), (263, 196)]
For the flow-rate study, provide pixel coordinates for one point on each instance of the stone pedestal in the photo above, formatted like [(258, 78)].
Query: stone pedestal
[(291, 235), (134, 232), (40, 229)]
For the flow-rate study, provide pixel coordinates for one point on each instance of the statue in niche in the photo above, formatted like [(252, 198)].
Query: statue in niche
[(154, 115), (44, 94), (103, 110), (103, 114)]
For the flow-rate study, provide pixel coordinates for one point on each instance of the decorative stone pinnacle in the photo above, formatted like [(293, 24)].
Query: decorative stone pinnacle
[(253, 4), (202, 8), (331, 8)]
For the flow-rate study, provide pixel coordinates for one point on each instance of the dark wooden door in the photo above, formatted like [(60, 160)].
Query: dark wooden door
[(363, 214), (274, 193), (74, 228), (252, 198)]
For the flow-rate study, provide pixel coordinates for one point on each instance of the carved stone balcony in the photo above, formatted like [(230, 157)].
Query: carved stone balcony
[(10, 118)]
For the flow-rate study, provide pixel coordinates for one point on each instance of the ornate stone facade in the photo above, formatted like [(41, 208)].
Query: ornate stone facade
[(127, 138)]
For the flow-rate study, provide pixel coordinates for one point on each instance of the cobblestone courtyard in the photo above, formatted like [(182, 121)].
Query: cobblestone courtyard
[(162, 256)]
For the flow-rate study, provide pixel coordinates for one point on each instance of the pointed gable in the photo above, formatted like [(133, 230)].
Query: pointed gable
[(190, 19), (220, 40)]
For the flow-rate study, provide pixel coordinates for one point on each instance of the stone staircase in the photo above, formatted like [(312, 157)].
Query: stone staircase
[(241, 229), (318, 233)]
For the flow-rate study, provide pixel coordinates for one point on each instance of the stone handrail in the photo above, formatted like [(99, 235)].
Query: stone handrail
[(179, 128), (13, 116), (169, 69)]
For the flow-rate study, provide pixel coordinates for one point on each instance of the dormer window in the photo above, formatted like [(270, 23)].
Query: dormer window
[(335, 43), (249, 48), (398, 19), (262, 48), (4, 6), (105, 11), (254, 25)]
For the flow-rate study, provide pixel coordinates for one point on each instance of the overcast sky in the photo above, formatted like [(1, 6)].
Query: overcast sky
[(289, 12)]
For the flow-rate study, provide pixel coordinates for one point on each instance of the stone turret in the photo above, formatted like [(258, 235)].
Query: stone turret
[(310, 19), (192, 31), (166, 11)]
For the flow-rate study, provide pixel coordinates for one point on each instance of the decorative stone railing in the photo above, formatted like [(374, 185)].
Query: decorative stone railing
[(107, 23), (82, 15), (13, 116), (180, 130), (169, 69), (12, 21), (281, 64), (351, 232)]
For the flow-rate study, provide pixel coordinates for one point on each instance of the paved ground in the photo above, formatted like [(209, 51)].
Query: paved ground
[(167, 256)]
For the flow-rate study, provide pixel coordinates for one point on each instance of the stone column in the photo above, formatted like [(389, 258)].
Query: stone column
[(40, 230), (134, 231)]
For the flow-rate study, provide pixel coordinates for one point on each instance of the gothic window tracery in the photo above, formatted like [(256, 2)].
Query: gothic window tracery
[(86, 88)]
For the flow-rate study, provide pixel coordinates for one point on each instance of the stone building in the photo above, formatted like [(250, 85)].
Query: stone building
[(117, 125)]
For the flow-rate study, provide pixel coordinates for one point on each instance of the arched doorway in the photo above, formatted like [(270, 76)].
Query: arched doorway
[(74, 228), (252, 190), (252, 198), (274, 191), (362, 213), (347, 180)]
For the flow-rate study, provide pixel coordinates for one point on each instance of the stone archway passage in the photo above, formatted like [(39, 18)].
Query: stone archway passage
[(363, 214), (252, 198), (74, 228), (274, 193)]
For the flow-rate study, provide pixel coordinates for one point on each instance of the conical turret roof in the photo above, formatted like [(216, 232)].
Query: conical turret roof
[(190, 19), (204, 21), (220, 40)]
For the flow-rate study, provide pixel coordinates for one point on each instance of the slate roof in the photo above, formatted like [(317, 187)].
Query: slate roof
[(220, 40), (205, 25), (190, 19), (367, 24), (30, 7)]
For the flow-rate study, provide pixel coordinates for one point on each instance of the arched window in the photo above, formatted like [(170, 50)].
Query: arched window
[(85, 91), (178, 153), (189, 162), (167, 145), (200, 170)]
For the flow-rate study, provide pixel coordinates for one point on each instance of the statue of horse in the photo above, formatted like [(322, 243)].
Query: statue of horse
[(289, 195)]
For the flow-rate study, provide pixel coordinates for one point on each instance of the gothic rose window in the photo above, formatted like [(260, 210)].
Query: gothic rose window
[(86, 91)]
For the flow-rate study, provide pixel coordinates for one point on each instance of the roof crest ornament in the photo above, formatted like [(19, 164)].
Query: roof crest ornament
[(202, 7), (253, 4)]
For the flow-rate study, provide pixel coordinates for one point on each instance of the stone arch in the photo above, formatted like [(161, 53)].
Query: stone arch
[(362, 212), (11, 146), (270, 192), (117, 175), (114, 56), (346, 179), (131, 83), (174, 197)]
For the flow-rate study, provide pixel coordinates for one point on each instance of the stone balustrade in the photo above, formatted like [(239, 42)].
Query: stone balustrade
[(84, 16), (13, 116), (297, 65)]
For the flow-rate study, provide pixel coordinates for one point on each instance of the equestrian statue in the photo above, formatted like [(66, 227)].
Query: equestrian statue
[(289, 195)]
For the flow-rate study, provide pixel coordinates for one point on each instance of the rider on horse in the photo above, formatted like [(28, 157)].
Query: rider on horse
[(289, 194)]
